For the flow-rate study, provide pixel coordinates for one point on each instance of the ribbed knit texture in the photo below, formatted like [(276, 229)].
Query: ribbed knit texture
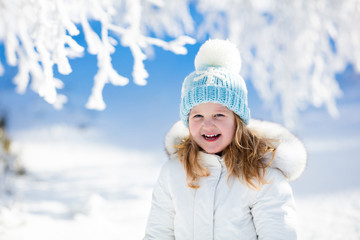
[(214, 84)]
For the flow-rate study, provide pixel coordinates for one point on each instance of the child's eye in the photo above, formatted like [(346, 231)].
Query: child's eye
[(197, 116), (219, 115)]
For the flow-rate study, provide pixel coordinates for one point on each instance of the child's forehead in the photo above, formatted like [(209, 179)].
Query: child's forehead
[(209, 107)]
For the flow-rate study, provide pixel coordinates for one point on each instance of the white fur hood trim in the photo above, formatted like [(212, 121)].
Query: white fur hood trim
[(290, 157)]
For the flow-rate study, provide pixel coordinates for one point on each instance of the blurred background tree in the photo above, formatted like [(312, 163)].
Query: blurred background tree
[(10, 165)]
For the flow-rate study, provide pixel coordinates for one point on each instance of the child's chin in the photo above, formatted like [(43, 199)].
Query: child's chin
[(213, 151)]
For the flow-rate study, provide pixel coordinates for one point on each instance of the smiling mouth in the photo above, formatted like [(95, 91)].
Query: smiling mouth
[(211, 137)]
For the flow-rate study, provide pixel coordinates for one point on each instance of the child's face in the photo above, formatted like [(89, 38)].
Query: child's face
[(212, 126)]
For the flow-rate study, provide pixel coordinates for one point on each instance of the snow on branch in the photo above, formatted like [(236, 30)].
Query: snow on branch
[(291, 50), (38, 35)]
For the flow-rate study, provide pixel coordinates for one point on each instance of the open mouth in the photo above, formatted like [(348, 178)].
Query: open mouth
[(211, 137)]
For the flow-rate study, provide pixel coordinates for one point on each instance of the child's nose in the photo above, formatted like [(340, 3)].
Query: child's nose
[(208, 123)]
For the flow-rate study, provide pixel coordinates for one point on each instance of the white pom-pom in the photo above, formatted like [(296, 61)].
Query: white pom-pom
[(221, 53)]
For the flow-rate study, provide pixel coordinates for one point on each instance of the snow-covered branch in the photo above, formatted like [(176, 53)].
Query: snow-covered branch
[(291, 49), (38, 36)]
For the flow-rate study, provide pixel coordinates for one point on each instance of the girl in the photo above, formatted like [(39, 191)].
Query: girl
[(227, 176)]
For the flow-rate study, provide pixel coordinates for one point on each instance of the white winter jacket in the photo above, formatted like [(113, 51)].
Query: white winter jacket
[(221, 210)]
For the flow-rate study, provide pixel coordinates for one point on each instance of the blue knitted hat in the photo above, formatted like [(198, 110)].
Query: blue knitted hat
[(216, 79)]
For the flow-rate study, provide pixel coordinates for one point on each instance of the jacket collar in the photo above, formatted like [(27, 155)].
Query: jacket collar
[(290, 157)]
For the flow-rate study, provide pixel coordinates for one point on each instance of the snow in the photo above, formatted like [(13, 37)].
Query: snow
[(330, 216), (86, 190), (80, 187)]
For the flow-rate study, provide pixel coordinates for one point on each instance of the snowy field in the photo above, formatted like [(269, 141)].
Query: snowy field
[(79, 188)]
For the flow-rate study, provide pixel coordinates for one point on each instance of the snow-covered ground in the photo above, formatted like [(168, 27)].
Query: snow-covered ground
[(330, 216), (78, 187)]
